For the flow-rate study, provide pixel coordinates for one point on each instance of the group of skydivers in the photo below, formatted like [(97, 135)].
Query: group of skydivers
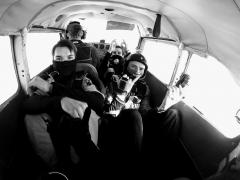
[(132, 137)]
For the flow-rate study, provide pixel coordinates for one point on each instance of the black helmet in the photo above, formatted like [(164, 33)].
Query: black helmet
[(139, 58)]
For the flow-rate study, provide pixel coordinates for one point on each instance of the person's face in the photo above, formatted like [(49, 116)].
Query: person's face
[(136, 68), (63, 54), (117, 51), (86, 82)]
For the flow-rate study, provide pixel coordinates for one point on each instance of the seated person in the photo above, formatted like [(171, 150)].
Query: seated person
[(113, 63), (85, 52), (69, 99), (121, 128), (130, 125)]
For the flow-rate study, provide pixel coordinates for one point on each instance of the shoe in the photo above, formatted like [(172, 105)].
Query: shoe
[(230, 172), (232, 158)]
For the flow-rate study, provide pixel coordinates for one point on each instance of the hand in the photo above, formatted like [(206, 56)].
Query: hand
[(50, 80), (40, 93), (110, 70), (126, 85), (112, 45), (73, 107), (40, 84), (236, 166), (183, 80), (175, 94), (90, 88)]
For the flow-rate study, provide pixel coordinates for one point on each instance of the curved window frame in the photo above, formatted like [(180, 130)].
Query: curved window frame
[(8, 74), (165, 71), (211, 90)]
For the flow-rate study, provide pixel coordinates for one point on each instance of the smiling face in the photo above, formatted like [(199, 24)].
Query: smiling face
[(136, 68)]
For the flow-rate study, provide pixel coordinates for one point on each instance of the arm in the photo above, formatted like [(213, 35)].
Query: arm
[(95, 58), (173, 96), (54, 106), (104, 64), (94, 99), (115, 106), (54, 102), (120, 93), (36, 104), (145, 103), (103, 68)]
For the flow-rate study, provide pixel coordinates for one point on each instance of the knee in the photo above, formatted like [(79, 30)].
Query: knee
[(132, 115), (171, 116), (134, 119), (135, 113), (172, 113), (36, 121), (171, 122), (36, 128)]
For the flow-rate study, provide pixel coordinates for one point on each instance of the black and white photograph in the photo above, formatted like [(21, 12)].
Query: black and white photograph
[(120, 89)]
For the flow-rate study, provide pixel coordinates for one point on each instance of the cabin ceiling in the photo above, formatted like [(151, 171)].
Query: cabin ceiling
[(204, 26)]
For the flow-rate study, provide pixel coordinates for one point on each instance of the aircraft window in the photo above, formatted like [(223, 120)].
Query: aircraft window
[(132, 36), (214, 92), (8, 79), (161, 58), (38, 49), (211, 89)]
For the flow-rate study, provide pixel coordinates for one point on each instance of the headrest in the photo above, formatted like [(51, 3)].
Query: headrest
[(74, 27), (91, 70)]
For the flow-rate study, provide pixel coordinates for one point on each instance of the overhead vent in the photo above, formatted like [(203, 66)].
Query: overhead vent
[(61, 16), (114, 25), (109, 9), (37, 26), (40, 28)]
